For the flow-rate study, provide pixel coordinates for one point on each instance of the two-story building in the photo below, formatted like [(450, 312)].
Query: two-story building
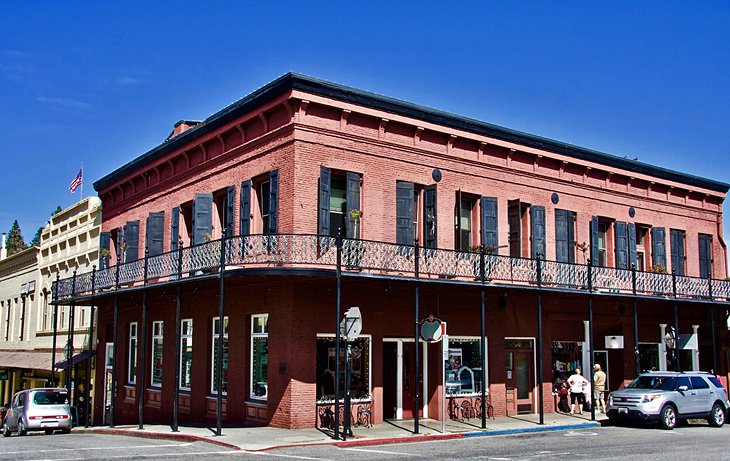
[(532, 252)]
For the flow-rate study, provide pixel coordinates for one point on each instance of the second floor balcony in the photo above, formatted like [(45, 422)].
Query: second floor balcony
[(356, 257)]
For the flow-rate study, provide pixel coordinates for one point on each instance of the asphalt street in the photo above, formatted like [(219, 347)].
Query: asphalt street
[(691, 442)]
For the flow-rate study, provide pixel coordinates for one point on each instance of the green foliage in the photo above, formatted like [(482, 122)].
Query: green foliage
[(58, 210), (36, 242), (15, 242)]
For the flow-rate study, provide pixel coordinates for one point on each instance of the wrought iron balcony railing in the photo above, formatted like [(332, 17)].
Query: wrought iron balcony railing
[(368, 257)]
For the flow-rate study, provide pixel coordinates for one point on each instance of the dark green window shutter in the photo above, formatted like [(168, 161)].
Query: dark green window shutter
[(404, 213), (155, 232), (131, 240), (230, 204), (561, 236), (537, 219), (594, 241), (514, 219), (245, 218), (659, 246), (324, 200), (353, 203), (175, 228), (202, 218), (676, 248), (430, 221), (104, 244), (489, 235), (273, 202), (705, 242), (622, 245), (571, 236), (633, 257)]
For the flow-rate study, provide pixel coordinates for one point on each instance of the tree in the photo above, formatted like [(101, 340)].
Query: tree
[(36, 242), (15, 242), (58, 210)]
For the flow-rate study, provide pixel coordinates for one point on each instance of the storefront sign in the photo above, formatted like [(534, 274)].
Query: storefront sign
[(614, 342), (432, 329)]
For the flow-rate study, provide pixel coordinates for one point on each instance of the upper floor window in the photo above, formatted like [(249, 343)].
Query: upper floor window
[(463, 222), (224, 201), (259, 201), (677, 249), (564, 236), (339, 203), (705, 247), (600, 241)]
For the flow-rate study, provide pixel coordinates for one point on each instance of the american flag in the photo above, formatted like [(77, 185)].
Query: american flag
[(77, 181)]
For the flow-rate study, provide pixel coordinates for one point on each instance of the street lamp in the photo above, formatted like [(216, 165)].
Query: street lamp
[(350, 328), (670, 341)]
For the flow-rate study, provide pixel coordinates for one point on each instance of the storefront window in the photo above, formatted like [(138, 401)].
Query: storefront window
[(186, 353), (157, 353), (326, 365), (214, 371), (259, 356), (648, 356), (464, 367), (132, 368)]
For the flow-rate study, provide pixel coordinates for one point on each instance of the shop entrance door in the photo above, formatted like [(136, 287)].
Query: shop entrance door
[(520, 380), (524, 380), (399, 379)]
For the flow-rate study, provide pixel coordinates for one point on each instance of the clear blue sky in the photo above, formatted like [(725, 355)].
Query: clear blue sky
[(101, 82)]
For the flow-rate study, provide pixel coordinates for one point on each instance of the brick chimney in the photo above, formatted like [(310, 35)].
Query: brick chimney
[(181, 127)]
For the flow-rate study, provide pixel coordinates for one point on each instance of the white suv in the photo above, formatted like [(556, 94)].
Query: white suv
[(668, 397)]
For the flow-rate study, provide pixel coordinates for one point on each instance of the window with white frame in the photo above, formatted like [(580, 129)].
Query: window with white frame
[(464, 366), (214, 367), (259, 356), (157, 353), (360, 376), (186, 353), (45, 323), (132, 367)]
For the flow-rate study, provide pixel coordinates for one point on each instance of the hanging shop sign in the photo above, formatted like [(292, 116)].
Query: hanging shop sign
[(614, 342), (432, 329)]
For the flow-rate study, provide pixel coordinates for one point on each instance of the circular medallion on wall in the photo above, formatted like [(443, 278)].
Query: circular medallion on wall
[(436, 175), (554, 198), (632, 212)]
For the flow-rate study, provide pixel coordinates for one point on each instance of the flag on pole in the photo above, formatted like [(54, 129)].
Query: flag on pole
[(78, 180)]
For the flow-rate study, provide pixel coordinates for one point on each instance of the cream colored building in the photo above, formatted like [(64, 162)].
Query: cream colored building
[(69, 242)]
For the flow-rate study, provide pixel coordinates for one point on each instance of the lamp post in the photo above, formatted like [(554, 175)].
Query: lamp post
[(350, 328)]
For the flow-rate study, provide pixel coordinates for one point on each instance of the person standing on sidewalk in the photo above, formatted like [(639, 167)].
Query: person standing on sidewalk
[(599, 387), (577, 382)]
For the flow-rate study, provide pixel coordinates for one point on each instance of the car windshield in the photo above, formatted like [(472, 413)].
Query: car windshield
[(665, 383), (49, 398)]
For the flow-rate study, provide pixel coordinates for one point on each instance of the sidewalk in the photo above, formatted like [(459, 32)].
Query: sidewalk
[(267, 438)]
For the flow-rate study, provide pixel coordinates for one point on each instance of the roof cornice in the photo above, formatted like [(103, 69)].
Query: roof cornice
[(294, 81)]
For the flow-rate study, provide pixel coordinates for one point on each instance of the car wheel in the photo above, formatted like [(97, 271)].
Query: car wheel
[(668, 418), (49, 431), (717, 416), (21, 427), (6, 430)]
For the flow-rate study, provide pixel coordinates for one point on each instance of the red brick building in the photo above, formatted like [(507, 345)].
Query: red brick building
[(575, 251)]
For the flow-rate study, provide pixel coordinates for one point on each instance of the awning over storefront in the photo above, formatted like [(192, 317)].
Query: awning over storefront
[(25, 359), (78, 358)]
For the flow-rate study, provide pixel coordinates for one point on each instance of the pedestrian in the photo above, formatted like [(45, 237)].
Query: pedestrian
[(599, 387), (563, 406), (576, 382)]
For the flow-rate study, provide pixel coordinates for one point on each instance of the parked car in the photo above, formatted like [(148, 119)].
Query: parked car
[(669, 397), (38, 410)]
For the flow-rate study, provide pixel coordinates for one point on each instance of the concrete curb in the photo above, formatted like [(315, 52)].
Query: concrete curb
[(157, 435)]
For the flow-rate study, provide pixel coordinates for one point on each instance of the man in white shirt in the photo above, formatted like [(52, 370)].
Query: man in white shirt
[(577, 383)]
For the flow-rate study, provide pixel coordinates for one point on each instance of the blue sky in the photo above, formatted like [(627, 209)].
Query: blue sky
[(100, 83)]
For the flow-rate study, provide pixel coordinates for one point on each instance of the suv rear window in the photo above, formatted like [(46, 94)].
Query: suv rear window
[(49, 398), (715, 381), (665, 383), (699, 383)]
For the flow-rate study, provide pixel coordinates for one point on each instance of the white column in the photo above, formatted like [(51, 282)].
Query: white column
[(399, 381), (696, 350), (662, 348), (586, 358)]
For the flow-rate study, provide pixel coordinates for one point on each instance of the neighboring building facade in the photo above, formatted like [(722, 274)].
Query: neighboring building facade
[(69, 243), (417, 194), (21, 365)]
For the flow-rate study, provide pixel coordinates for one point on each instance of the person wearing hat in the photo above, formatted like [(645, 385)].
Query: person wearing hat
[(599, 387), (576, 382)]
